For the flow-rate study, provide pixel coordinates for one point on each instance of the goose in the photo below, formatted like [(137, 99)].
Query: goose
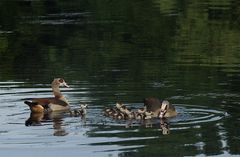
[(56, 103), (160, 109)]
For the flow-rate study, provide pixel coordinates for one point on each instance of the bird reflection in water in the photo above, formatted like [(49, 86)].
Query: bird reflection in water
[(149, 123), (38, 119), (164, 125)]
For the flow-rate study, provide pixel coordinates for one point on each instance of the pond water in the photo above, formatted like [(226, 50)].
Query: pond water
[(187, 52)]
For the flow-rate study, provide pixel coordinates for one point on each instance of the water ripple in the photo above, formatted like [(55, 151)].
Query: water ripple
[(190, 115)]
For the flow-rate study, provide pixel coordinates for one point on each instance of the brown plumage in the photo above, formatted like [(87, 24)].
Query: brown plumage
[(160, 109), (58, 102), (152, 104)]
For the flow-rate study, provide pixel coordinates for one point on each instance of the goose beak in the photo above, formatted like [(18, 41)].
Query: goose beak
[(65, 84), (161, 115)]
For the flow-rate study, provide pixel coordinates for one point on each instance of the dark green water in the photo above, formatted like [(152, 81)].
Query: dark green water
[(187, 52)]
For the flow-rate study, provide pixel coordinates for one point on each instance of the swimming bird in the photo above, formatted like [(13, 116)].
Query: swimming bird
[(123, 109), (127, 112), (108, 111), (82, 111), (113, 112), (56, 103), (120, 116), (119, 105), (130, 115), (142, 110), (140, 114), (148, 115), (160, 109)]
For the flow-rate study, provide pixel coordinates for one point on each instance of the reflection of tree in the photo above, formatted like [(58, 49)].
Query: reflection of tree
[(100, 40), (201, 37), (207, 34), (143, 39)]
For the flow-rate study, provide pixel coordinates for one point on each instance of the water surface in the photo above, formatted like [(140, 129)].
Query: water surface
[(184, 51)]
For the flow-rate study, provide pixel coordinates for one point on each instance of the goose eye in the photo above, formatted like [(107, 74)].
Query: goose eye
[(61, 80)]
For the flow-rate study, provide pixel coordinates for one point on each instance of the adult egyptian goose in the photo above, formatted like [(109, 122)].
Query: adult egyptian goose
[(160, 109), (56, 103)]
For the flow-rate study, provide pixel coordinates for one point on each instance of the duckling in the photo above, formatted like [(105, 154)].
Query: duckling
[(131, 115), (107, 111), (71, 112), (123, 109), (142, 110), (79, 112), (139, 116), (83, 109), (120, 116), (148, 115), (113, 113), (75, 113), (127, 111), (140, 113), (119, 105)]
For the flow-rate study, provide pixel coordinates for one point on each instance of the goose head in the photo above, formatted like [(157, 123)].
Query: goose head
[(60, 82), (164, 108)]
